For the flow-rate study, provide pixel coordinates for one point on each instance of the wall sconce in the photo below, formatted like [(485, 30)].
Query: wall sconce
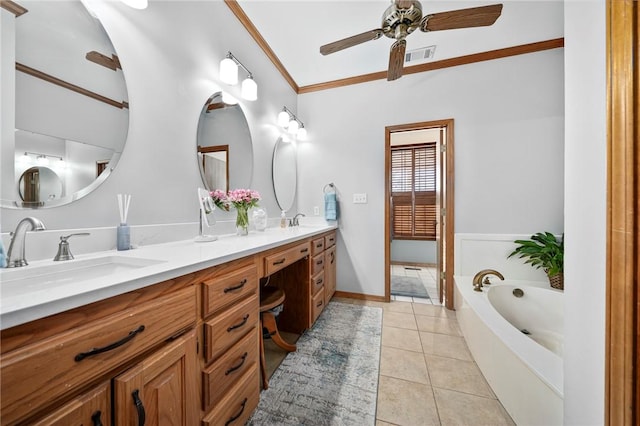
[(288, 120), (43, 159), (229, 74)]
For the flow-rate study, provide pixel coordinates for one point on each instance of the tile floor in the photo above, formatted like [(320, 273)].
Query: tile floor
[(427, 375), (428, 276)]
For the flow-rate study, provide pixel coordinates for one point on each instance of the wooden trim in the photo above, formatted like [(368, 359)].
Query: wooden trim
[(113, 62), (359, 296), (13, 7), (445, 63), (622, 379), (51, 79), (253, 31), (418, 264), (448, 205)]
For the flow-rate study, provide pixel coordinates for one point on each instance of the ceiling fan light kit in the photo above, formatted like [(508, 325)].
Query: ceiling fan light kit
[(405, 16)]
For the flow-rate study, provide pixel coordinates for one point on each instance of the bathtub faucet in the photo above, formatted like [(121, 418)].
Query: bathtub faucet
[(477, 279)]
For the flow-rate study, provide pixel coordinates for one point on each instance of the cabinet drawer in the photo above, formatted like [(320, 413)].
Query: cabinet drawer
[(317, 246), (280, 260), (225, 372), (329, 240), (317, 305), (90, 408), (226, 289), (229, 326), (317, 264), (317, 282), (238, 405), (38, 374)]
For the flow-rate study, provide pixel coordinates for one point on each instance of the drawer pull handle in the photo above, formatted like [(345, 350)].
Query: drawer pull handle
[(239, 286), (279, 262), (240, 324), (318, 245), (96, 351), (304, 250), (319, 262), (333, 257), (232, 369), (234, 418), (139, 407), (319, 304), (318, 282), (95, 418)]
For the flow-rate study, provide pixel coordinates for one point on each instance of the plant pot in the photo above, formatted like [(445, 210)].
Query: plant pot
[(557, 281)]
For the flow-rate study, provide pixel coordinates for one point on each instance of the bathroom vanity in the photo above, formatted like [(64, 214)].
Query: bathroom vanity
[(173, 342)]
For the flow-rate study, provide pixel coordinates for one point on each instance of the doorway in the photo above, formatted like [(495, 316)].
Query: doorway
[(418, 202)]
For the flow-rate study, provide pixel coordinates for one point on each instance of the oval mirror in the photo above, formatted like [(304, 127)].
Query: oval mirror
[(225, 151), (38, 184), (284, 171), (70, 100)]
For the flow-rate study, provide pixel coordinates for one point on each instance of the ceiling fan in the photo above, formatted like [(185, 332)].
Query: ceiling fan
[(405, 16)]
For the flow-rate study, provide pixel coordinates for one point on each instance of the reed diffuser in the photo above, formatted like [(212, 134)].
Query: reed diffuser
[(123, 239)]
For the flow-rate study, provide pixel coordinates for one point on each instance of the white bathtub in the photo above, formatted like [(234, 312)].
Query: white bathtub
[(524, 370)]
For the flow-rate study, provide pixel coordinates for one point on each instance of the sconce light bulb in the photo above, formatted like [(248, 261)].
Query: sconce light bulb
[(61, 164), (228, 71), (293, 127), (43, 160), (283, 118), (302, 134), (24, 158), (249, 89)]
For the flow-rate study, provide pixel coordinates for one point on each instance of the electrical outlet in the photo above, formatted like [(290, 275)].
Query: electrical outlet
[(316, 211), (360, 198)]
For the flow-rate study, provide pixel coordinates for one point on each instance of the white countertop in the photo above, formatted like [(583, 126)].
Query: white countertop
[(21, 302)]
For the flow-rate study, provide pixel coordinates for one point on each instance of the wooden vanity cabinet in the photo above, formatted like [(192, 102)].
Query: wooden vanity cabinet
[(329, 266), (48, 365), (231, 318)]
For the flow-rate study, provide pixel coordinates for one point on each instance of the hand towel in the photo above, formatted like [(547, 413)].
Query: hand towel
[(3, 256), (330, 206)]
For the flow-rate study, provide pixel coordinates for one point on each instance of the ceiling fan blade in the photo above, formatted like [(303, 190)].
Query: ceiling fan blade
[(463, 18), (396, 59), (351, 41)]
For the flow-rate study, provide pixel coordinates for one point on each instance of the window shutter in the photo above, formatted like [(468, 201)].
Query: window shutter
[(413, 188)]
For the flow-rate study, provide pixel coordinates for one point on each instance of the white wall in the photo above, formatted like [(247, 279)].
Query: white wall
[(414, 251), (585, 212), (509, 157), (170, 54)]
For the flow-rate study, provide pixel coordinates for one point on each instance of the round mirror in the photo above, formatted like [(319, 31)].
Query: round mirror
[(38, 184), (225, 151), (70, 100), (284, 171)]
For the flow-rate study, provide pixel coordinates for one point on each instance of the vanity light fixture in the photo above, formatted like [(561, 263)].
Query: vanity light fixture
[(229, 74), (289, 121), (42, 159)]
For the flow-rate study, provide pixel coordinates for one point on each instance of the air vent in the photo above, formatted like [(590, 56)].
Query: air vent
[(422, 54)]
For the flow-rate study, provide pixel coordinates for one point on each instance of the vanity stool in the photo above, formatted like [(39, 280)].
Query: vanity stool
[(270, 298)]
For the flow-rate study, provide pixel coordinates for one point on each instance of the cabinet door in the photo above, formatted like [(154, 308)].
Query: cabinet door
[(162, 389), (329, 273), (92, 408)]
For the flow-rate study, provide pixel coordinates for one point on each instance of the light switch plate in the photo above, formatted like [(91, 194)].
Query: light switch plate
[(360, 198), (316, 211)]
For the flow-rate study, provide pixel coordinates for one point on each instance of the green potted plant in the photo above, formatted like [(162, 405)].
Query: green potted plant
[(544, 251)]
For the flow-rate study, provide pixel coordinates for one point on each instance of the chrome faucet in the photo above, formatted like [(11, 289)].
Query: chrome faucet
[(477, 279), (15, 254), (294, 221)]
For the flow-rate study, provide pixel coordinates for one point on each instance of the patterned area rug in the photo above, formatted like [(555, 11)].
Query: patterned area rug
[(408, 286), (332, 379)]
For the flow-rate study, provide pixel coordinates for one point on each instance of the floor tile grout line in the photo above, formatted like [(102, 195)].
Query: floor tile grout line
[(433, 393)]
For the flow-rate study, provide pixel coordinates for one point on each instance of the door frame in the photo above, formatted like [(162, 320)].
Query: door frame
[(447, 204)]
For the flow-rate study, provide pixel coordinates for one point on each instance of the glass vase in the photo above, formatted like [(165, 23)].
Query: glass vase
[(242, 221)]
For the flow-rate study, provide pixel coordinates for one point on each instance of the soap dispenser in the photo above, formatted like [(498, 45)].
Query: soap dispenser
[(283, 219)]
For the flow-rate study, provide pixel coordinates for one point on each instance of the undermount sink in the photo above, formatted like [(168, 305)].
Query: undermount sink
[(41, 276)]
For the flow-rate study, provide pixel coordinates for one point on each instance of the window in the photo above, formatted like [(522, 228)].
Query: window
[(413, 192)]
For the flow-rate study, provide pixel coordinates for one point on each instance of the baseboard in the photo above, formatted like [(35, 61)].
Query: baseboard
[(359, 296), (423, 265)]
